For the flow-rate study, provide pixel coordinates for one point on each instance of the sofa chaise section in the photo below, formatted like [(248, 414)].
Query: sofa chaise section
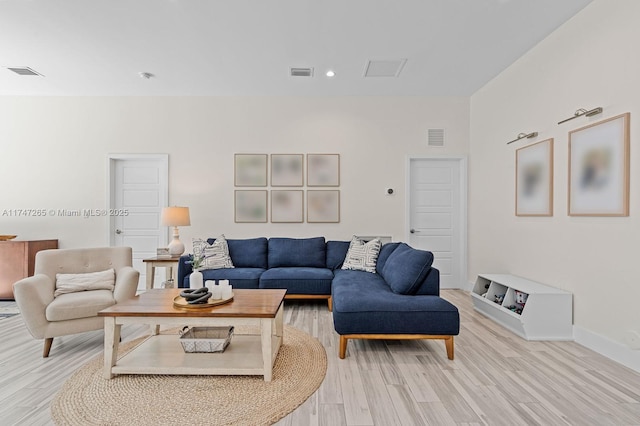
[(401, 301)]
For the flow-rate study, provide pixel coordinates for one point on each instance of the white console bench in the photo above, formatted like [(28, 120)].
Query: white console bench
[(546, 315)]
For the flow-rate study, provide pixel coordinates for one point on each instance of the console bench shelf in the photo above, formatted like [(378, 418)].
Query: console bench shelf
[(546, 315)]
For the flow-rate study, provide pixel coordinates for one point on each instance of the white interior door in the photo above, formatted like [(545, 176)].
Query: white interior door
[(437, 215), (138, 188)]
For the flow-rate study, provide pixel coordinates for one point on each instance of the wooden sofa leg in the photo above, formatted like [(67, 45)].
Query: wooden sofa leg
[(448, 341), (330, 304), (47, 347), (343, 347)]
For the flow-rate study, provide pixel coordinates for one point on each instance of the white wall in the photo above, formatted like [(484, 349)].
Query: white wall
[(590, 61), (54, 156)]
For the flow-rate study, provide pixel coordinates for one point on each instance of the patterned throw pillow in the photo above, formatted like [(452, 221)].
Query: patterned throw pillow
[(216, 255), (362, 256)]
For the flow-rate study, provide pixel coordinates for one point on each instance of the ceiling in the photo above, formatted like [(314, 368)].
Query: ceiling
[(246, 47)]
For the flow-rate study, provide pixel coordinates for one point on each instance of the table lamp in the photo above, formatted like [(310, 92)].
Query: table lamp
[(175, 216)]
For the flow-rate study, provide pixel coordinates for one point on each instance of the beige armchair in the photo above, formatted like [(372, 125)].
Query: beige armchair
[(47, 316)]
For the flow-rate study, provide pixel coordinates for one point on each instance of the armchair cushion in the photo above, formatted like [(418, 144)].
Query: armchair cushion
[(84, 304), (71, 283)]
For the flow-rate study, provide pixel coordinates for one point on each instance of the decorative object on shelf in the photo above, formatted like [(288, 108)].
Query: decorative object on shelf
[(599, 168), (580, 112), (286, 169), (175, 216), (523, 136), (323, 169), (163, 252), (250, 206), (323, 206), (534, 179), (7, 237), (250, 170), (205, 339), (287, 206)]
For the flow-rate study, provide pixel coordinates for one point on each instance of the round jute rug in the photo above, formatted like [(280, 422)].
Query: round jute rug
[(87, 398)]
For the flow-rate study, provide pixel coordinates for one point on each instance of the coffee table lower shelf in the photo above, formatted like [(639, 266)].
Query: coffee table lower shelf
[(163, 354)]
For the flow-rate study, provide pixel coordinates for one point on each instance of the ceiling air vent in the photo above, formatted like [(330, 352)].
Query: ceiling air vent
[(23, 71), (385, 68), (435, 137), (301, 72)]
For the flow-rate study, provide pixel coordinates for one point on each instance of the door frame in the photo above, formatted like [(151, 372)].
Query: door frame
[(463, 163), (111, 187)]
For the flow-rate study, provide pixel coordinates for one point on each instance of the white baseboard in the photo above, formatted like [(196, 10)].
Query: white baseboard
[(611, 349)]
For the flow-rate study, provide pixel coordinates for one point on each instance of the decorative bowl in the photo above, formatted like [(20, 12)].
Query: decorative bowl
[(7, 237)]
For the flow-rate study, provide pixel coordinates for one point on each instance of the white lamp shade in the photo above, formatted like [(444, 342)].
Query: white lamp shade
[(175, 216)]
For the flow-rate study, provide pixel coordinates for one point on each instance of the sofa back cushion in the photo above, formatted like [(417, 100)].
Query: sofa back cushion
[(406, 268), (385, 252), (247, 253), (336, 252), (309, 252)]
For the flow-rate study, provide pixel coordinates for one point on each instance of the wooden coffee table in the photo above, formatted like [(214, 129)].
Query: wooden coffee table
[(248, 354)]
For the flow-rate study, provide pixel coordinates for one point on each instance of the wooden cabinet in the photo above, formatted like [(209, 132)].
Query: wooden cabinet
[(547, 313), (17, 260)]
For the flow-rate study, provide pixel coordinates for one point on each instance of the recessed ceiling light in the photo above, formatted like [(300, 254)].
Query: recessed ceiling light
[(331, 73)]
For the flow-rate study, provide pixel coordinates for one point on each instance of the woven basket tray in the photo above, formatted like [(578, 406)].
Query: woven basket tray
[(206, 339)]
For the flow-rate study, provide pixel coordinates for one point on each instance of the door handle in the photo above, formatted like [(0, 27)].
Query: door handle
[(413, 231), (118, 231)]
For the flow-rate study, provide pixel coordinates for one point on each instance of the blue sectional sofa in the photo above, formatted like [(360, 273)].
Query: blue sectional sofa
[(400, 301)]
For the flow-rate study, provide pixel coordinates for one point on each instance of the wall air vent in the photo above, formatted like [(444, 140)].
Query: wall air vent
[(23, 71), (435, 137), (301, 72), (384, 68)]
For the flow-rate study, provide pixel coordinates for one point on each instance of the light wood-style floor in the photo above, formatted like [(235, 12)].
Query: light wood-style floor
[(496, 378)]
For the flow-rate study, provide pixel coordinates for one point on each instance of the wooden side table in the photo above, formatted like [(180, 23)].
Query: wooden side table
[(170, 263)]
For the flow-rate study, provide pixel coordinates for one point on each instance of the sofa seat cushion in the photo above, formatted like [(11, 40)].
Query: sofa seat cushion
[(238, 277), (364, 303), (84, 304), (298, 280), (302, 252), (406, 268)]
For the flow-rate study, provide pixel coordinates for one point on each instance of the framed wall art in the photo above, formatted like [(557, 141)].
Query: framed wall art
[(323, 169), (534, 179), (323, 206), (286, 169), (250, 206), (287, 206), (599, 168), (250, 170)]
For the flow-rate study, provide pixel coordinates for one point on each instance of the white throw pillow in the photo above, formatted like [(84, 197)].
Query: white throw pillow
[(216, 255), (71, 283), (362, 256)]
